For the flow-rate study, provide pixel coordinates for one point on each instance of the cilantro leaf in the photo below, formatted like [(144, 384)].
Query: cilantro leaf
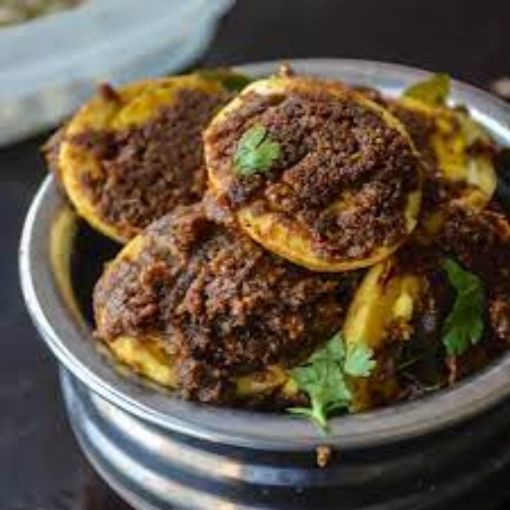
[(324, 378), (359, 360), (433, 91), (463, 327), (255, 152)]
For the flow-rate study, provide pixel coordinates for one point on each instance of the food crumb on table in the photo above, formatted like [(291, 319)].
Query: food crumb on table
[(324, 453)]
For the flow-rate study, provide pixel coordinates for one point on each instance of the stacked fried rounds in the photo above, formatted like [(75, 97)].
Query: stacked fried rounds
[(328, 212)]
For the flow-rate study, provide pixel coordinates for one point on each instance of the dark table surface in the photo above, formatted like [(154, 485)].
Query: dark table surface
[(40, 464)]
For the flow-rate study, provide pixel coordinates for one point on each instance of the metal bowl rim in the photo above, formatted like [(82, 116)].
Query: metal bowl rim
[(71, 342)]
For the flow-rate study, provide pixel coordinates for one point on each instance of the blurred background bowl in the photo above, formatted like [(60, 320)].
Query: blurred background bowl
[(51, 64)]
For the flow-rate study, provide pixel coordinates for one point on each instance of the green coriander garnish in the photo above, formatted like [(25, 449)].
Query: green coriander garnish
[(463, 326), (359, 360), (324, 378), (434, 90), (256, 151)]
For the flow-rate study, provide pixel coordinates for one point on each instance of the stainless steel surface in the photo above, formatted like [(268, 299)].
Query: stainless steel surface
[(99, 391), (157, 469)]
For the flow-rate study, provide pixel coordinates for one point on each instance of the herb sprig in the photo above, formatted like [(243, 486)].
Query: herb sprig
[(463, 327), (434, 90), (256, 152), (324, 378)]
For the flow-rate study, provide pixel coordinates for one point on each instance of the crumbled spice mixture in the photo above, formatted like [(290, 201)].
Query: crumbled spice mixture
[(108, 93), (420, 127), (224, 305), (148, 170), (481, 242), (412, 362), (330, 150), (323, 453), (437, 191)]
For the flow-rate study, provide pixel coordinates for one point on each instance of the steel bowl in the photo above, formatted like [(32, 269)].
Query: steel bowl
[(159, 452)]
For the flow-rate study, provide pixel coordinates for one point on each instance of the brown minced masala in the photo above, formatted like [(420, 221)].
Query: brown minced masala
[(481, 242), (148, 170), (329, 148), (436, 190), (223, 305)]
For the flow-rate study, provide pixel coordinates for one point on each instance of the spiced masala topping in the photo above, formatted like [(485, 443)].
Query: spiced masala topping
[(149, 169), (224, 305), (342, 172)]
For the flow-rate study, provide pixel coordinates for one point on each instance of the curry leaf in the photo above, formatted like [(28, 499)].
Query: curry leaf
[(433, 91), (256, 151), (463, 327)]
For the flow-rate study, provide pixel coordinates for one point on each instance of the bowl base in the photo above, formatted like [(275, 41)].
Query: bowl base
[(155, 469)]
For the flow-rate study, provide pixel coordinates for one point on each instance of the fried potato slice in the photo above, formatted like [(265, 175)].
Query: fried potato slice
[(133, 153), (381, 312), (148, 357), (194, 306), (148, 354), (343, 190), (383, 303), (455, 146)]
